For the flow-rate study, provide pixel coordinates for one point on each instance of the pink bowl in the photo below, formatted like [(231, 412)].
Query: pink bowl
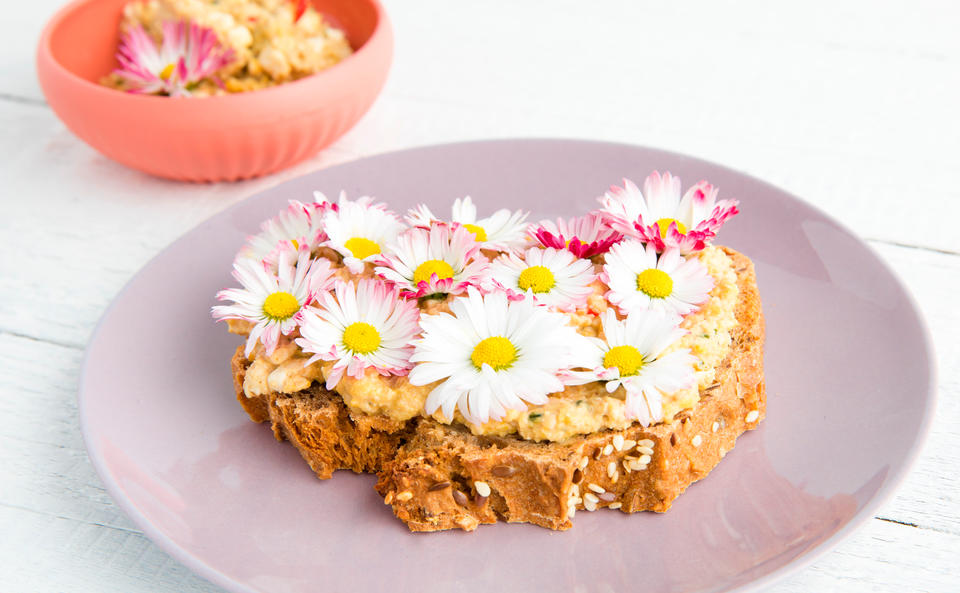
[(212, 138)]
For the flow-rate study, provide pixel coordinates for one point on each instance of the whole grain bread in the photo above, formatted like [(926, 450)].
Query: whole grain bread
[(438, 476)]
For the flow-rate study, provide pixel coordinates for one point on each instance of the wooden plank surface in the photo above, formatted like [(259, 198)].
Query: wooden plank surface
[(849, 104)]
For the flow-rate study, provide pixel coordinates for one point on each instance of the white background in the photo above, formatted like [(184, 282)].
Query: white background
[(850, 104)]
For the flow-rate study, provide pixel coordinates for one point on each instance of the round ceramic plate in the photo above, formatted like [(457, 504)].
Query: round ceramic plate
[(849, 372)]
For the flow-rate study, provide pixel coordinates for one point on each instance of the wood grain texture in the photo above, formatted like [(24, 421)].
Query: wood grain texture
[(850, 104)]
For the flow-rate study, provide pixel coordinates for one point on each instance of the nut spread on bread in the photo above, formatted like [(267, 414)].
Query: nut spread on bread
[(491, 369)]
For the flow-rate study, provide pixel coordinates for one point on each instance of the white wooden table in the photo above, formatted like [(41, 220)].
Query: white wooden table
[(850, 104)]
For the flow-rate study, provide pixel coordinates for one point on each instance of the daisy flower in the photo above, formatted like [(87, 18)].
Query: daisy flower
[(273, 302), (359, 230), (583, 236), (438, 260), (659, 215), (631, 356), (639, 279), (554, 277), (502, 231), (188, 54), (300, 7), (321, 200), (298, 224), (359, 327), (492, 354)]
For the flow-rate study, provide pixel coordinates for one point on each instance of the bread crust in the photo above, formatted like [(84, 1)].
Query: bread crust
[(437, 476)]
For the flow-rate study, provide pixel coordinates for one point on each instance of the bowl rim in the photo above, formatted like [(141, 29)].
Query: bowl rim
[(379, 35)]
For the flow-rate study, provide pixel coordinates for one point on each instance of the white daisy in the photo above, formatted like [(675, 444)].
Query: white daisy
[(638, 279), (492, 354), (360, 326), (555, 277), (502, 231), (438, 260), (631, 356), (360, 230), (298, 224), (660, 216), (274, 302)]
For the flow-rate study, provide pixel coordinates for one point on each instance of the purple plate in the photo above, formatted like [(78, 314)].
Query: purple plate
[(850, 378)]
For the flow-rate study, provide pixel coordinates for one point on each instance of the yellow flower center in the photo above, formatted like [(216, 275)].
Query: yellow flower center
[(664, 224), (626, 358), (295, 243), (167, 71), (361, 338), (477, 231), (424, 271), (280, 306), (656, 284), (496, 351), (539, 279), (361, 247)]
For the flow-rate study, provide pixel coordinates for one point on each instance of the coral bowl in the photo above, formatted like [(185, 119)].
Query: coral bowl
[(217, 138)]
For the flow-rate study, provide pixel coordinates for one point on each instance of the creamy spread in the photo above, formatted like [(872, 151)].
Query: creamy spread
[(577, 410)]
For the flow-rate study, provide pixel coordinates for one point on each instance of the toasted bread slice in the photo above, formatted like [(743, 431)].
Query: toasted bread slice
[(438, 476)]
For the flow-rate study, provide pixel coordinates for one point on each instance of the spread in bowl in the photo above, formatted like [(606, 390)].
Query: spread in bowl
[(212, 47)]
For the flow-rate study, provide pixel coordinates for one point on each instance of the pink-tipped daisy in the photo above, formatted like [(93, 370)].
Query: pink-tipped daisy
[(639, 279), (502, 231), (583, 236), (188, 54), (659, 215), (322, 200), (273, 302), (360, 230), (440, 260), (360, 326), (554, 277), (631, 356), (492, 354), (297, 225)]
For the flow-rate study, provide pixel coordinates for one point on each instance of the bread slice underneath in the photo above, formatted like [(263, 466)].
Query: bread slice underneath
[(438, 476)]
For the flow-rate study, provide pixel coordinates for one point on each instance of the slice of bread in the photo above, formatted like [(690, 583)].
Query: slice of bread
[(438, 476)]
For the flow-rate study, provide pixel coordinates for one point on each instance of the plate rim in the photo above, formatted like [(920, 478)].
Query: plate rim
[(883, 496)]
